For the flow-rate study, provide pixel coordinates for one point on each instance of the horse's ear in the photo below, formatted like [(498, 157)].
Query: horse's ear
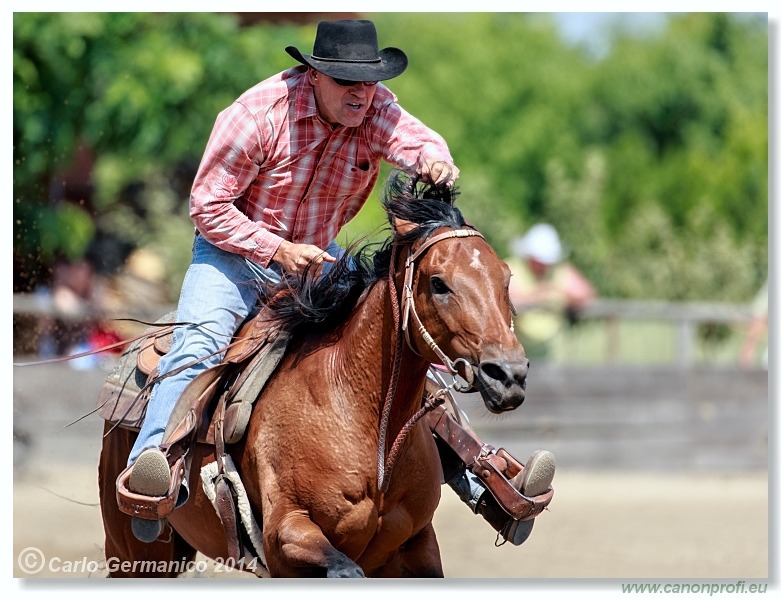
[(402, 227)]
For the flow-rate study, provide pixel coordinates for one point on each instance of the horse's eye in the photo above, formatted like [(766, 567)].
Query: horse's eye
[(438, 286)]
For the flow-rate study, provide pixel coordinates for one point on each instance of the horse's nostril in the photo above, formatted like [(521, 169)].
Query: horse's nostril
[(492, 371), (504, 373), (502, 384)]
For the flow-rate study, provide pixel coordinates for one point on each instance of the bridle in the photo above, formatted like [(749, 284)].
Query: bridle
[(408, 308), (402, 327)]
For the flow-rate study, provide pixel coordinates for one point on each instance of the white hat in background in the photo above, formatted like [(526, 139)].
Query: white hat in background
[(541, 243)]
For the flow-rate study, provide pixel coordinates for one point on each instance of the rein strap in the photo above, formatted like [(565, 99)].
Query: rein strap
[(384, 468), (409, 301)]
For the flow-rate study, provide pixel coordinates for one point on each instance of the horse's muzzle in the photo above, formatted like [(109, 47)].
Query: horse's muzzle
[(502, 383)]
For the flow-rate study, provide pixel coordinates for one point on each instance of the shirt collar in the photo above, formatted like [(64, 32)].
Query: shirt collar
[(304, 105)]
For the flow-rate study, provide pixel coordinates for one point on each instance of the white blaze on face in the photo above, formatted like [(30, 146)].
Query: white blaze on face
[(476, 264)]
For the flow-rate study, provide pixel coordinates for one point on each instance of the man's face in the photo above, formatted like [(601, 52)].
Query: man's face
[(341, 105), (537, 268)]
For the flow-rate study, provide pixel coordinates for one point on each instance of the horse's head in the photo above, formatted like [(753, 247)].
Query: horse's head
[(455, 300)]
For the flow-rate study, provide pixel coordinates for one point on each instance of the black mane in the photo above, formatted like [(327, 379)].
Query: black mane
[(322, 303)]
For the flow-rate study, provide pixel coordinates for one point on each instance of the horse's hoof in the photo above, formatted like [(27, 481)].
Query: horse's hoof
[(145, 530), (343, 568), (352, 572)]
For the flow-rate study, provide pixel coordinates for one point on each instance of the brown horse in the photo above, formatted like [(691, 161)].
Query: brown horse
[(337, 470)]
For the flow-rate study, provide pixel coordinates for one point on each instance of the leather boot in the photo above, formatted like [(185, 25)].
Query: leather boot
[(472, 492), (149, 476), (535, 479)]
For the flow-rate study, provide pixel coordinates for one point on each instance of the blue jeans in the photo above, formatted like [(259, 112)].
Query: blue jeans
[(220, 291)]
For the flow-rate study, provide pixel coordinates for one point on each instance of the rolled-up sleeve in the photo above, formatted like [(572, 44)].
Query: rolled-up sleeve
[(405, 141), (230, 164)]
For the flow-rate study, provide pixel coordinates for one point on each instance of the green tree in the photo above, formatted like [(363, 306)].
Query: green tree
[(651, 159), (140, 92), (684, 129)]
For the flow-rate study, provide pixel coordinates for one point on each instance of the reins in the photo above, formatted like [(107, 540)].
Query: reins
[(120, 344), (384, 468)]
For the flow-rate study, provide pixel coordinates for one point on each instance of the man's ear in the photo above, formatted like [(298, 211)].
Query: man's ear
[(312, 74)]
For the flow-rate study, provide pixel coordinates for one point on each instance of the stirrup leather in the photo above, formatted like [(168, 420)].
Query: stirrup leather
[(494, 468)]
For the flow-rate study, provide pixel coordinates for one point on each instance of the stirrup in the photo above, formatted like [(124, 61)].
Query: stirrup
[(494, 468), (502, 474), (151, 508)]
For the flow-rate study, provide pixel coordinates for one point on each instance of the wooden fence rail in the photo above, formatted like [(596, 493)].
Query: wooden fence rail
[(685, 316), (609, 315)]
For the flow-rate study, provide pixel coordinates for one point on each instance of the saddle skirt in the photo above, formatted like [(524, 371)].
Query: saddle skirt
[(251, 358)]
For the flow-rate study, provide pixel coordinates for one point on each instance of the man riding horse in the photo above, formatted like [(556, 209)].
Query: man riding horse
[(287, 165)]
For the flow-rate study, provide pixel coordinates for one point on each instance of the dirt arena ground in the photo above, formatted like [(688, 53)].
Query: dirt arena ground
[(606, 527)]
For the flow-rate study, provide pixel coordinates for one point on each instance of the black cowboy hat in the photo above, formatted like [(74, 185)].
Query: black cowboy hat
[(347, 49)]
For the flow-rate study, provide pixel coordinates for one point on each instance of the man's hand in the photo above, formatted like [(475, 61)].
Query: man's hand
[(438, 172), (294, 258)]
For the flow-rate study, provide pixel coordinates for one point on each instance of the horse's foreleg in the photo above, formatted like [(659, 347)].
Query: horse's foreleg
[(421, 557), (297, 548), (418, 557)]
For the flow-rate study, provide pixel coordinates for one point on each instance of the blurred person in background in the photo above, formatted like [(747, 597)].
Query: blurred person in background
[(78, 322), (140, 287), (72, 301), (546, 291)]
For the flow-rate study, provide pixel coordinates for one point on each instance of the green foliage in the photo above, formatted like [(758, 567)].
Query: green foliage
[(141, 91), (685, 135), (652, 161)]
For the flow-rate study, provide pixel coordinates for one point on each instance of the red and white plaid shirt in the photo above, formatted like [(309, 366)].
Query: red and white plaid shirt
[(273, 170)]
